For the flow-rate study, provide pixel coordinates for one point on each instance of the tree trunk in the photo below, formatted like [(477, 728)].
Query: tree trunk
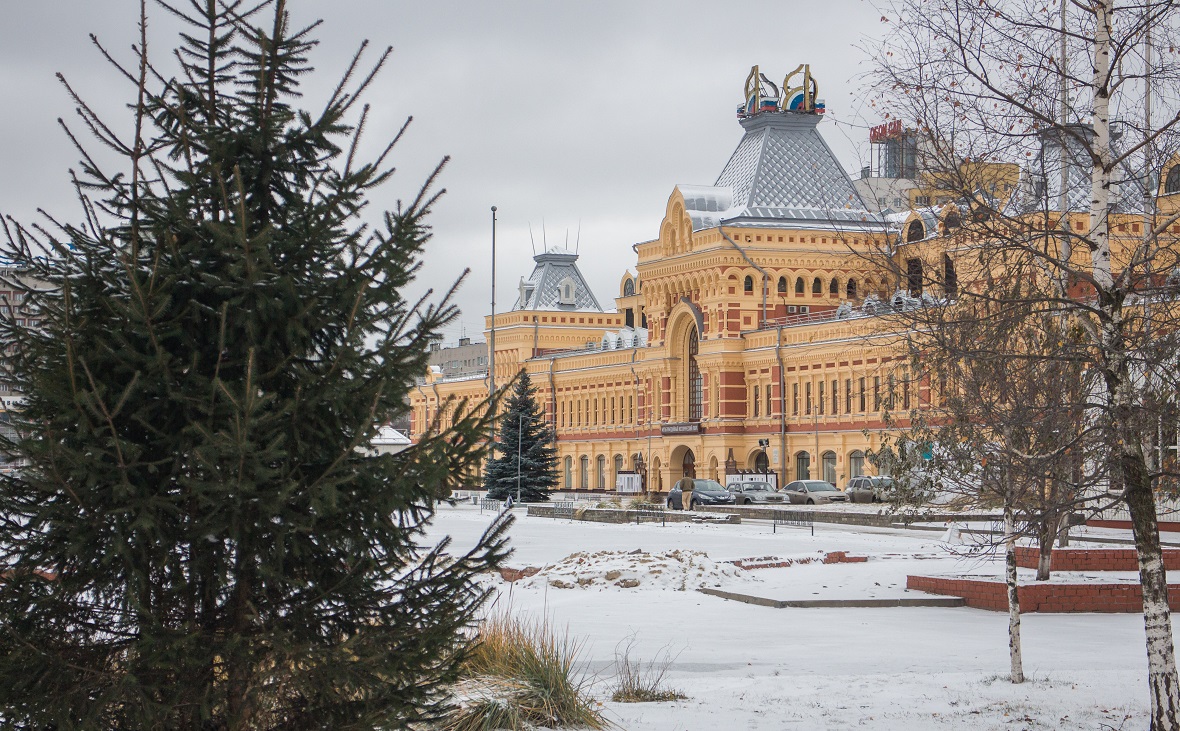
[(1157, 620), (1046, 533), (1044, 547), (1013, 598)]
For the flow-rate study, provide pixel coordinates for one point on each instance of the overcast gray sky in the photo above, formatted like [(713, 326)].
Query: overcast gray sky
[(557, 112)]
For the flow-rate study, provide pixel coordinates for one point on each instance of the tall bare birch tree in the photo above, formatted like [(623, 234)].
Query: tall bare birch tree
[(1069, 97)]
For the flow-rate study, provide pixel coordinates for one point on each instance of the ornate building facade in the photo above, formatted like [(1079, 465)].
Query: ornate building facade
[(745, 333)]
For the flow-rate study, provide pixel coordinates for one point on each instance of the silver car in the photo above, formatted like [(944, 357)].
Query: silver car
[(748, 493), (866, 489), (813, 492)]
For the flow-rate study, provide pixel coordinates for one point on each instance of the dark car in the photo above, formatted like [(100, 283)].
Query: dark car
[(704, 492), (866, 489), (747, 493), (813, 492)]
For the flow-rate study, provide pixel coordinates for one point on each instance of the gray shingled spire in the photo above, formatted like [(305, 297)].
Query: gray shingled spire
[(556, 269), (782, 172)]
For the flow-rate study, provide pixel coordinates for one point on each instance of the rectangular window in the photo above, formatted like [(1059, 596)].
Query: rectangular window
[(769, 410), (892, 394), (821, 397), (757, 402), (847, 395), (835, 397), (905, 389), (795, 399), (862, 395), (808, 410), (631, 407), (876, 393)]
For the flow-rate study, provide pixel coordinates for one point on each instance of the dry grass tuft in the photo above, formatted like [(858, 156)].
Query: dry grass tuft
[(639, 682), (521, 677)]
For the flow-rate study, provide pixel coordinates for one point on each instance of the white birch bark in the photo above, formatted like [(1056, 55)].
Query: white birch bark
[(1101, 167), (1013, 598), (1128, 460)]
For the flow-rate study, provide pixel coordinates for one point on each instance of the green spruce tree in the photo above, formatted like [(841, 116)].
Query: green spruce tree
[(198, 539), (538, 455)]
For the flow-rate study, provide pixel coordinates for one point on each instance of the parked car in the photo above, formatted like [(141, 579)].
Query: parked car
[(813, 492), (704, 492), (747, 493), (866, 489)]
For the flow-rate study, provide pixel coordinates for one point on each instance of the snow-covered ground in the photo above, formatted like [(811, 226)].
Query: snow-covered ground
[(753, 667)]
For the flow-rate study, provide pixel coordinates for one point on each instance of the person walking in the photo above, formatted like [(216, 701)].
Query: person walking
[(686, 485)]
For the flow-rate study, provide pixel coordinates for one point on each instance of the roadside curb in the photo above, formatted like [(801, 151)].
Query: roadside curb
[(836, 603)]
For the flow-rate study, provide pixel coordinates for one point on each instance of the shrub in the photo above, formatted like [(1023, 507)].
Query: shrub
[(639, 682), (520, 676)]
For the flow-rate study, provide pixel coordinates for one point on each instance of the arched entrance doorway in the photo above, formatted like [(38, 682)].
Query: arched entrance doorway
[(761, 463), (802, 466), (829, 467), (688, 465)]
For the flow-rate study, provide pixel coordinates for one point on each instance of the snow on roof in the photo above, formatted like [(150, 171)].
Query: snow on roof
[(388, 436)]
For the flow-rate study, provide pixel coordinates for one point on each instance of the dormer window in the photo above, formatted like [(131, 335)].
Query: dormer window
[(567, 292)]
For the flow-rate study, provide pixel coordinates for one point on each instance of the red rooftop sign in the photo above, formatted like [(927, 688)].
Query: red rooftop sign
[(886, 131)]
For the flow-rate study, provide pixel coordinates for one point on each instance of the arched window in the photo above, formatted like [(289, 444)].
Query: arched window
[(782, 285), (748, 285), (914, 276), (817, 286), (629, 288), (618, 464), (569, 473), (829, 463), (915, 231), (950, 280), (584, 473), (952, 220), (600, 472), (799, 285), (802, 466), (850, 290), (1172, 183), (695, 381), (834, 287), (856, 463)]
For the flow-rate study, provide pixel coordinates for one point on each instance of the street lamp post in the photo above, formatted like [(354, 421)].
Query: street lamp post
[(492, 343), (519, 423)]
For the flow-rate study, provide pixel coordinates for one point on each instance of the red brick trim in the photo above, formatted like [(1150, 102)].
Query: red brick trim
[(993, 595), (1090, 559)]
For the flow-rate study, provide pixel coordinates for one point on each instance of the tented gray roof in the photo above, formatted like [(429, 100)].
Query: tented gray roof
[(1040, 187), (782, 171), (542, 290)]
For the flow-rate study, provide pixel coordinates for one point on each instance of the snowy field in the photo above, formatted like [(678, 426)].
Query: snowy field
[(752, 667)]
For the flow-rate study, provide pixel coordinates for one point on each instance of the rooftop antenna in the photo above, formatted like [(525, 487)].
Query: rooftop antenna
[(578, 241), (567, 239), (531, 242), (544, 236)]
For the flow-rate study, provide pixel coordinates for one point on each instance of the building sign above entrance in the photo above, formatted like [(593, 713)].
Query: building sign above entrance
[(691, 427)]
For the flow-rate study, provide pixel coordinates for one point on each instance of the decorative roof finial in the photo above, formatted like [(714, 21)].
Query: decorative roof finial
[(761, 94)]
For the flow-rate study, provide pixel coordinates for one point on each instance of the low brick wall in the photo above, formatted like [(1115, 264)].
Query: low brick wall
[(1165, 526), (758, 512), (1090, 559), (993, 595), (820, 514), (613, 515)]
